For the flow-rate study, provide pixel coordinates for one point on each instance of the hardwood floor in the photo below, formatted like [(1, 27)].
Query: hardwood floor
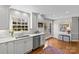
[(66, 47)]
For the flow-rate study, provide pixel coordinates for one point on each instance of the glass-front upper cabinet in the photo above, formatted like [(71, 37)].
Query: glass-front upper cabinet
[(19, 20)]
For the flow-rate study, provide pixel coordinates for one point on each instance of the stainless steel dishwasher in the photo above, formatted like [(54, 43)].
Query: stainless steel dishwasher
[(36, 42)]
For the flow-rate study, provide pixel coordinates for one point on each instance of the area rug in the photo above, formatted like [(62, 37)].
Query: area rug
[(53, 50)]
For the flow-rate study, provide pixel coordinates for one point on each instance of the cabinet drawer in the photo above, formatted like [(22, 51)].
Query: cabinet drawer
[(11, 47), (28, 45), (18, 41), (3, 48), (28, 40), (19, 47)]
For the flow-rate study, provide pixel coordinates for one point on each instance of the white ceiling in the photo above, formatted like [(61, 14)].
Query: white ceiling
[(56, 11), (59, 11)]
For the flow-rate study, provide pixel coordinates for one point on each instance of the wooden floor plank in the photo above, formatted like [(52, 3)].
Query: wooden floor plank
[(68, 48)]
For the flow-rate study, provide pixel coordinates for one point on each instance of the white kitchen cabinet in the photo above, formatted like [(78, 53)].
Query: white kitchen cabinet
[(34, 22), (19, 46), (3, 48), (28, 45), (10, 47), (42, 40)]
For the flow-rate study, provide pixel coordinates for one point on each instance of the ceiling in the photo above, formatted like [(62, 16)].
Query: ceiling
[(59, 11), (56, 11)]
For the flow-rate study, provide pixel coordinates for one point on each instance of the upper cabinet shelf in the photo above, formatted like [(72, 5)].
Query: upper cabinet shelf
[(19, 20)]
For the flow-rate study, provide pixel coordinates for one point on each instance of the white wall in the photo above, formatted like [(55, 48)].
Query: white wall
[(58, 22), (56, 29), (47, 31), (4, 17)]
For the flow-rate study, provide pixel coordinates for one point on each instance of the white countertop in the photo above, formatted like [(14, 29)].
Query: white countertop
[(36, 34), (3, 40), (7, 39)]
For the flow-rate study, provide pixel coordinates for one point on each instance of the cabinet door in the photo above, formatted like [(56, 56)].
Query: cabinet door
[(3, 48), (34, 22), (42, 40), (19, 46), (11, 47), (28, 44)]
